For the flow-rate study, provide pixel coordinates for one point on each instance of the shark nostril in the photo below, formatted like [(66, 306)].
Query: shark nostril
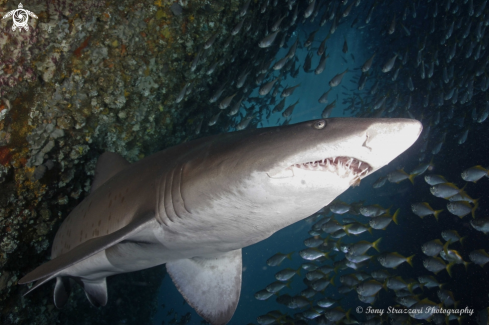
[(365, 143)]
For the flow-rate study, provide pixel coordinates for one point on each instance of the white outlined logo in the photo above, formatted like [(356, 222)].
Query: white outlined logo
[(20, 17)]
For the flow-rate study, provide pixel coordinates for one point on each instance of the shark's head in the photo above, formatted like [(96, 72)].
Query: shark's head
[(280, 175)]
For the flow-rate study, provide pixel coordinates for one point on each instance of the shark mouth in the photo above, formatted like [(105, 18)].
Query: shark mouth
[(342, 166)]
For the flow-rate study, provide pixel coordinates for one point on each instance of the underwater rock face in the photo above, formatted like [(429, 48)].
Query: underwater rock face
[(89, 77)]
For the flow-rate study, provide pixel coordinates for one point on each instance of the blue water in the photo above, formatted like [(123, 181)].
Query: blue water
[(469, 286)]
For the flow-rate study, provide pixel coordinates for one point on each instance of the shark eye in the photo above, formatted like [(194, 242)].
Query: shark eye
[(319, 124)]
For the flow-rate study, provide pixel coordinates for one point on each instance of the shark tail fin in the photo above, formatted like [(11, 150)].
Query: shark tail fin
[(62, 291), (51, 269)]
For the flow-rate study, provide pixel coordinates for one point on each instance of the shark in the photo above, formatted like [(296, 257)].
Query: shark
[(194, 206)]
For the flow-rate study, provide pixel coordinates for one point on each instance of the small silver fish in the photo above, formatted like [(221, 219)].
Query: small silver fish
[(473, 174), (479, 257), (238, 27), (289, 91), (266, 88), (481, 224), (389, 64), (211, 40), (245, 122), (268, 40), (337, 79), (328, 109), (226, 101), (432, 248), (309, 9), (214, 119), (366, 66), (288, 111), (393, 260), (321, 65), (278, 258), (369, 288)]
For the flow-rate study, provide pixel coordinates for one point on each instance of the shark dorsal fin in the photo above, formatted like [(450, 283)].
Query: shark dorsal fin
[(108, 165), (211, 285)]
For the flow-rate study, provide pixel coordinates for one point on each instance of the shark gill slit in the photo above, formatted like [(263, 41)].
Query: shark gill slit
[(162, 219), (175, 194), (168, 198), (164, 197), (180, 189), (179, 193)]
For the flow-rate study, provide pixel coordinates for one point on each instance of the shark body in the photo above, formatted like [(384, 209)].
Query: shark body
[(195, 205)]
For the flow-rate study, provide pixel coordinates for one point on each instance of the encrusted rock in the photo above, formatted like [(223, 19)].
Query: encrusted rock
[(78, 151), (45, 214), (39, 172), (63, 200), (57, 133), (4, 279), (65, 122), (48, 147), (66, 177), (42, 229), (8, 245)]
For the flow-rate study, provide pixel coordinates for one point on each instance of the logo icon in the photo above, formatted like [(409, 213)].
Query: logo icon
[(20, 17)]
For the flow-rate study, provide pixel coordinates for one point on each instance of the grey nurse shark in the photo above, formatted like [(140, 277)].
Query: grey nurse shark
[(194, 206)]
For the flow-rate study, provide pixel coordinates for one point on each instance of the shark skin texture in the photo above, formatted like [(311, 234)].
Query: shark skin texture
[(194, 206)]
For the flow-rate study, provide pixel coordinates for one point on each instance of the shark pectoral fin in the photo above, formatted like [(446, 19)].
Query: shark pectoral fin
[(108, 164), (210, 285), (62, 291), (89, 248), (96, 292)]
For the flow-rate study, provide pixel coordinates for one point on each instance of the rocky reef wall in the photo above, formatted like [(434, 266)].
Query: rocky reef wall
[(88, 77)]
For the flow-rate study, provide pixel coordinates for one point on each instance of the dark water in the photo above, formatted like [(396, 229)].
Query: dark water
[(439, 77), (470, 287)]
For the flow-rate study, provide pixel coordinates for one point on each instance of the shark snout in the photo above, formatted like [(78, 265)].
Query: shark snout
[(387, 139)]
